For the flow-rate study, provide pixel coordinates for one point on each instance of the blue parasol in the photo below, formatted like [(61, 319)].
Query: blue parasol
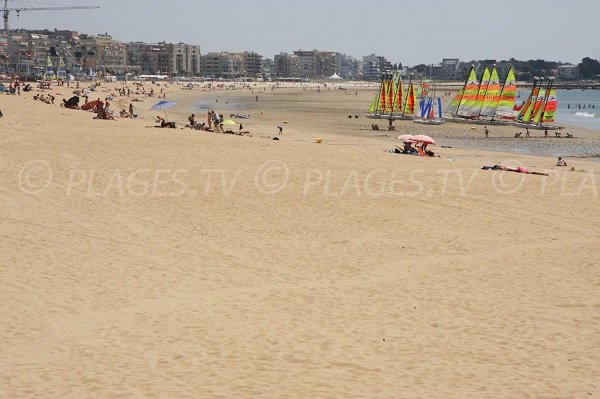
[(163, 106)]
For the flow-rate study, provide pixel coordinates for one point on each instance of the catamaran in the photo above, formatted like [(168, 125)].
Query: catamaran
[(484, 101), (390, 100), (426, 113), (540, 107), (49, 75)]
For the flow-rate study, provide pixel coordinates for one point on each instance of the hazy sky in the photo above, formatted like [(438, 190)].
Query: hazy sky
[(411, 32)]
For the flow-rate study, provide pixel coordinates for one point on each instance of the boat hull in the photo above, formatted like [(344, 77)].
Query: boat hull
[(537, 127), (429, 121), (475, 121), (394, 117)]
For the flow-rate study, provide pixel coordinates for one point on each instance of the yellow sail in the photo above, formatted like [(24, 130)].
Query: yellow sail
[(483, 86), (469, 94), (506, 105), (550, 109), (492, 95)]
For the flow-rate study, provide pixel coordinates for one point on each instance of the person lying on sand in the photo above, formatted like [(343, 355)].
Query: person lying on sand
[(164, 124), (519, 169)]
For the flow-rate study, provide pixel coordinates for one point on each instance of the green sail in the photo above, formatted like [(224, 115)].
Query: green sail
[(483, 86), (538, 110), (469, 94), (492, 95), (506, 105)]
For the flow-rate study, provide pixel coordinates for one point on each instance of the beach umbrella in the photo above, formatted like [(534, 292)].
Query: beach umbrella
[(163, 106), (421, 138), (229, 122), (406, 138)]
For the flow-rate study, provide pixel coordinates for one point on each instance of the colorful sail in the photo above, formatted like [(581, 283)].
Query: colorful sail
[(390, 95), (538, 108), (50, 69), (382, 97), (527, 108), (469, 95), (399, 96), (550, 109), (409, 106), (375, 107), (483, 86), (62, 69), (454, 104), (506, 104), (492, 96), (424, 91)]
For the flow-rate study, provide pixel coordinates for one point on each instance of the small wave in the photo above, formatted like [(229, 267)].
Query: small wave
[(585, 114)]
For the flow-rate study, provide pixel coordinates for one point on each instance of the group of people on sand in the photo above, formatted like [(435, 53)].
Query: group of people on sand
[(518, 135), (14, 88), (49, 99), (214, 123), (418, 149)]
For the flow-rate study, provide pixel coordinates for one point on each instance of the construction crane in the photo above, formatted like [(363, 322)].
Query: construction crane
[(6, 11)]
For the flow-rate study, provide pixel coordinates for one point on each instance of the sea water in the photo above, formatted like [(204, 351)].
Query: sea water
[(575, 107)]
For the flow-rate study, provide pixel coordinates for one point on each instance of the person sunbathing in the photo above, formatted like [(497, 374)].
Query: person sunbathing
[(409, 149), (164, 123)]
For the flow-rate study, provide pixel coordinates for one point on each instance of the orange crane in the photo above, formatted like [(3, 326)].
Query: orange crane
[(6, 11)]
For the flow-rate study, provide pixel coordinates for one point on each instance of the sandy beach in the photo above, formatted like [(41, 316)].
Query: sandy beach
[(174, 263)]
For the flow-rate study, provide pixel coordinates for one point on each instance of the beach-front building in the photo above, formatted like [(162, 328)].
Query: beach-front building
[(448, 68), (286, 66), (232, 65), (372, 66), (165, 58), (314, 64), (567, 72), (101, 53)]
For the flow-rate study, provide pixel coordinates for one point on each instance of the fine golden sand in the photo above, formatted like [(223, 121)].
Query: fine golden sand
[(170, 263)]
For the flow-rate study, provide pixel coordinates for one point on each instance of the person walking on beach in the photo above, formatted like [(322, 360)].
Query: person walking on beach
[(487, 133), (209, 119), (280, 130), (527, 132)]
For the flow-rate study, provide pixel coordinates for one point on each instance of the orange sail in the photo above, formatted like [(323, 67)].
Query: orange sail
[(409, 107), (382, 102), (390, 95)]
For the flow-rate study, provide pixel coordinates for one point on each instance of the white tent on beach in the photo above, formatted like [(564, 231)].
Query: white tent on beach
[(335, 76)]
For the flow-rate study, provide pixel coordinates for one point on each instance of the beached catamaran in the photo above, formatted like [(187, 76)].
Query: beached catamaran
[(49, 75), (392, 101), (484, 101), (427, 114), (62, 69), (540, 107)]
